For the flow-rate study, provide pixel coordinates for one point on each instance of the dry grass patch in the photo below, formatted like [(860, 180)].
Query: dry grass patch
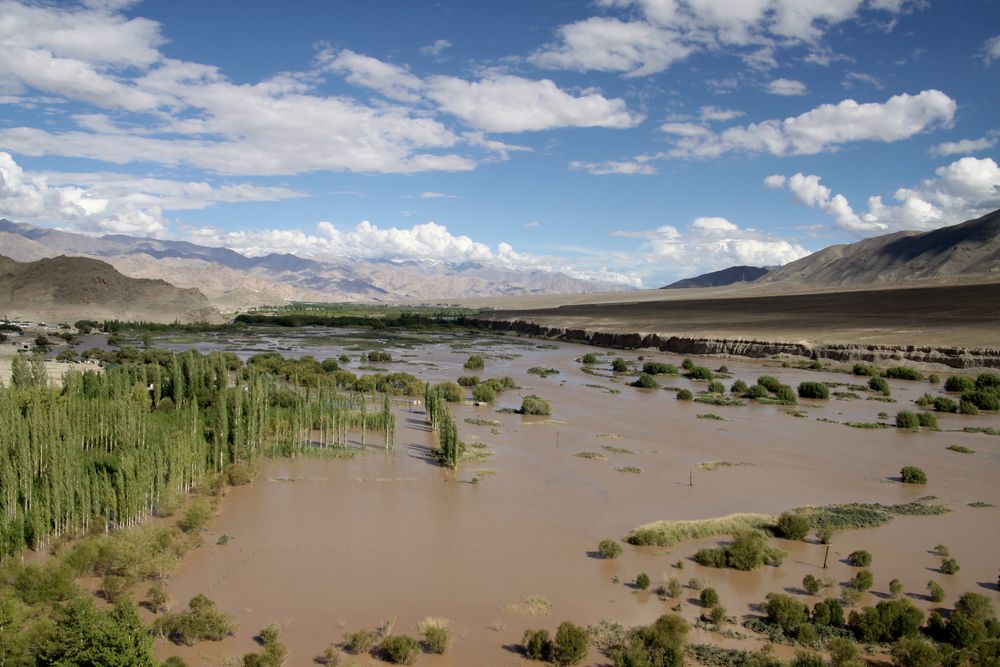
[(530, 605), (669, 533)]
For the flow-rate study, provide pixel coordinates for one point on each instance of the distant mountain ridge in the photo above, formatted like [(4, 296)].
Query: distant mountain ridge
[(68, 288), (968, 248), (721, 278), (234, 281)]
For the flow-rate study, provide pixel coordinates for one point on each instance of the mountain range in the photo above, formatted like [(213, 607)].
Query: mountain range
[(233, 281), (721, 278)]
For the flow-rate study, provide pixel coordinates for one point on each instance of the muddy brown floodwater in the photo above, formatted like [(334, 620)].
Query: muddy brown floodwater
[(323, 547)]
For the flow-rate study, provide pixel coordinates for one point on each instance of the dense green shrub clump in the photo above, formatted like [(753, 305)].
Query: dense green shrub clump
[(860, 558), (785, 394), (609, 549), (945, 404), (864, 369), (785, 612), (769, 382), (959, 383), (619, 365), (684, 395), (888, 621), (793, 525), (813, 390), (700, 373), (984, 399), (642, 581), (451, 392), (534, 405), (739, 388), (568, 647), (862, 581), (687, 364), (748, 551), (474, 363), (757, 391), (399, 649), (646, 381), (811, 584), (658, 645), (907, 419), (201, 621), (709, 597), (589, 358), (468, 381), (913, 475), (716, 388), (903, 373), (484, 393), (657, 368), (949, 566), (879, 385)]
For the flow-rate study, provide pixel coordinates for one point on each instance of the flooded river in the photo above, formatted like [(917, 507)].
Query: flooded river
[(323, 547)]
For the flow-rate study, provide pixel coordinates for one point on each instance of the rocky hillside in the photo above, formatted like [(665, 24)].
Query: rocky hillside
[(969, 248), (68, 288), (729, 276)]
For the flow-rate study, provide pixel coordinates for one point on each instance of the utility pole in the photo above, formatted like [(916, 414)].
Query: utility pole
[(827, 555)]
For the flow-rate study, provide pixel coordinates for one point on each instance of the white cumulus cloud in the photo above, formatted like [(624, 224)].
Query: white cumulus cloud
[(965, 189), (787, 87)]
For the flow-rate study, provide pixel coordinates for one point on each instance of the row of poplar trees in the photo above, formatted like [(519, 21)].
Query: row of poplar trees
[(108, 447), (450, 448)]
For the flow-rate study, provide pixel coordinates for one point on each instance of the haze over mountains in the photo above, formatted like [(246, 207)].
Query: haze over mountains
[(68, 288), (234, 281)]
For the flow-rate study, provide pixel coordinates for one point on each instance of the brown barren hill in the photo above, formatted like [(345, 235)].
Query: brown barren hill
[(64, 288), (968, 248)]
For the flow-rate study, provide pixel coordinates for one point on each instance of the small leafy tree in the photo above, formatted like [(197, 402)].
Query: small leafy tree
[(913, 475), (642, 581), (793, 525), (609, 549), (709, 597), (569, 647), (860, 558), (935, 591)]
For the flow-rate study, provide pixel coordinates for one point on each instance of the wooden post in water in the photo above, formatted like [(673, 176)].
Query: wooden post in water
[(827, 555), (690, 478)]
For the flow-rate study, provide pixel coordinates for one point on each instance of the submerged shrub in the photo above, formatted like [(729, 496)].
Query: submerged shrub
[(864, 369), (609, 549), (716, 388), (359, 642), (399, 649), (739, 387), (860, 558), (959, 384), (757, 391), (927, 420), (813, 390), (945, 404), (658, 645), (907, 419), (700, 373), (949, 566), (913, 475), (903, 373), (862, 581), (828, 613), (793, 525), (709, 597), (451, 392), (536, 644), (201, 621), (646, 381), (879, 385), (810, 584), (785, 394), (619, 365), (484, 393), (769, 382), (935, 591), (785, 611), (642, 581), (657, 368), (895, 588), (570, 644), (533, 405), (589, 358), (473, 363), (984, 399), (967, 408), (684, 395), (887, 621)]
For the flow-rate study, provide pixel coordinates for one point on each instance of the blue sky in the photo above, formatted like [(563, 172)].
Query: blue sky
[(635, 141)]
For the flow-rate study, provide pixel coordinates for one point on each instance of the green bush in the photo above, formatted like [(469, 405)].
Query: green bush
[(757, 391), (684, 395), (359, 642), (709, 597), (785, 611), (988, 381), (533, 405), (864, 369), (807, 658), (437, 639), (468, 381), (914, 652), (984, 399), (945, 404), (895, 588), (656, 368), (201, 621), (811, 584), (934, 378), (879, 385), (537, 645), (828, 613), (196, 517), (862, 581), (687, 364), (793, 525), (712, 557), (785, 394), (451, 392), (589, 358), (903, 373), (860, 558), (658, 645), (473, 363), (748, 550), (959, 384), (913, 475), (570, 644), (927, 420), (642, 581), (907, 419), (399, 649), (646, 381), (619, 365), (700, 373), (483, 393), (949, 566), (716, 388), (739, 388), (769, 382), (967, 408), (935, 591), (813, 390), (609, 549), (887, 621)]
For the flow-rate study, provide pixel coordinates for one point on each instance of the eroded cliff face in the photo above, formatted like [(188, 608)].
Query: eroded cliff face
[(955, 357)]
